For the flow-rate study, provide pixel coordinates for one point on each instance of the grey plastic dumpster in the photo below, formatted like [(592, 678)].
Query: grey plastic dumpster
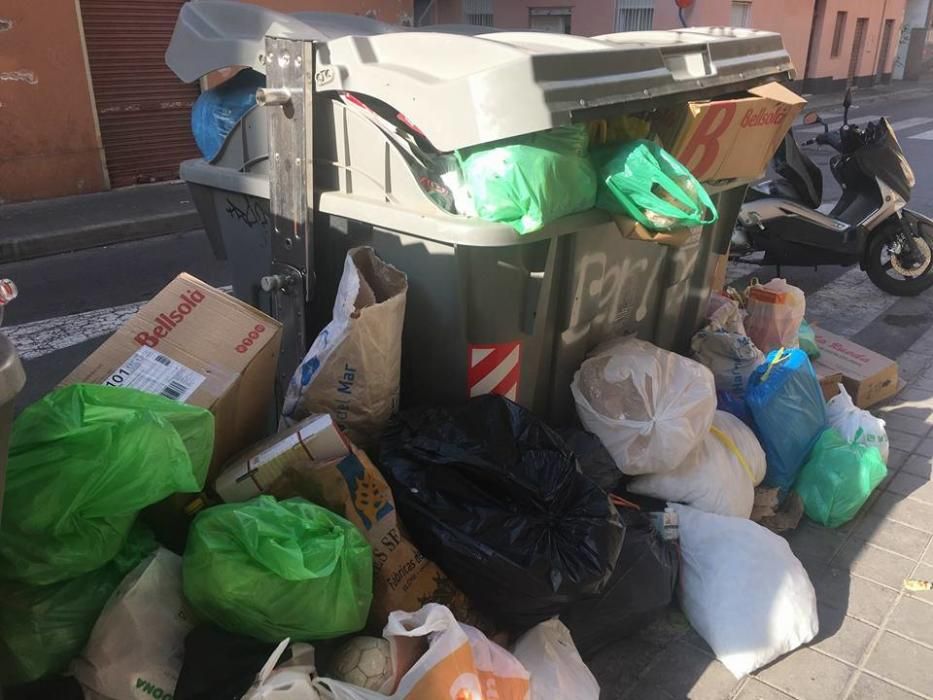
[(12, 379), (488, 311)]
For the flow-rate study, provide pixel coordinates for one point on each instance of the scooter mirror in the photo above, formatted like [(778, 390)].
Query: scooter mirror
[(847, 100), (811, 118)]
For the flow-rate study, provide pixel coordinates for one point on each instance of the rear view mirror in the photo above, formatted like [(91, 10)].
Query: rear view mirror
[(847, 100), (811, 118)]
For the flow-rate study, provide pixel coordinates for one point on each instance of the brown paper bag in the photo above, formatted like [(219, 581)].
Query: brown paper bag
[(629, 228), (354, 488), (352, 369)]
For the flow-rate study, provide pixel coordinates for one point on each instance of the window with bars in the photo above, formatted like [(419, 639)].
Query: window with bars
[(478, 12), (634, 15), (839, 34), (550, 19), (741, 13)]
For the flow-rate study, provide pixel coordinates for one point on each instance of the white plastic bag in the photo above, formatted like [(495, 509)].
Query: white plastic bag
[(724, 314), (460, 662), (557, 671), (650, 407), (137, 646), (719, 476), (731, 357), (775, 311), (353, 367), (291, 680), (743, 590), (849, 419)]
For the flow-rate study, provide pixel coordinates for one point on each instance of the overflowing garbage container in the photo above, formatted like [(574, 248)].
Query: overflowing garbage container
[(376, 118), (517, 417)]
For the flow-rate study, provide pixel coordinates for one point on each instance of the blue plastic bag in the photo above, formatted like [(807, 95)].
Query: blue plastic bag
[(730, 403), (217, 111), (786, 402)]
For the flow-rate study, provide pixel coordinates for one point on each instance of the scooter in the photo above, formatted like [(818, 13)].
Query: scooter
[(870, 225)]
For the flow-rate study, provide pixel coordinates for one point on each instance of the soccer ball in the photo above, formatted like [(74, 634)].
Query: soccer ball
[(363, 661)]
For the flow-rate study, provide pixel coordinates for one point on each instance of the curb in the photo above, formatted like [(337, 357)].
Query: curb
[(822, 101), (18, 248)]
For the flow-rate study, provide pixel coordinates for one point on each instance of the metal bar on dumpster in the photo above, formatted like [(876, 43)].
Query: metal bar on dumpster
[(288, 95)]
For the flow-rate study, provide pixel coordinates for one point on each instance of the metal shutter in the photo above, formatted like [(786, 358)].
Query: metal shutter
[(143, 109)]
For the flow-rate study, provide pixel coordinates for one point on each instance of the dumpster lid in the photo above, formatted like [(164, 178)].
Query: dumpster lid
[(462, 89), (12, 377)]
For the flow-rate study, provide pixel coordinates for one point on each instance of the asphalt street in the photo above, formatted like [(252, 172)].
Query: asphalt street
[(74, 300)]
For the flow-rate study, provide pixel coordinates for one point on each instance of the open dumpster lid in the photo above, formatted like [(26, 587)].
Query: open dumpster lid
[(462, 89)]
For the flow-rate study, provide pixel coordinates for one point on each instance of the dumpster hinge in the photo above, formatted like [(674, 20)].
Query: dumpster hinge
[(288, 96)]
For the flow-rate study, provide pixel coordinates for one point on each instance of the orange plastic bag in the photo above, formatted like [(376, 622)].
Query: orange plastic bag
[(775, 311)]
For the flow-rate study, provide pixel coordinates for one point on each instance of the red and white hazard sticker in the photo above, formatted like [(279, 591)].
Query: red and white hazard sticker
[(495, 369)]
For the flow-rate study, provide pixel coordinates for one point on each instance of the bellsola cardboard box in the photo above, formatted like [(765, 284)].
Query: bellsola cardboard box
[(195, 344), (731, 138)]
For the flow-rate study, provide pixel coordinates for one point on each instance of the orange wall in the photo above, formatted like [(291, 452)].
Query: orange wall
[(790, 18), (50, 145), (392, 11), (823, 65)]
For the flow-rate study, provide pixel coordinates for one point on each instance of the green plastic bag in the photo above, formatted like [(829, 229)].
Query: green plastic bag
[(644, 182), (806, 338), (83, 462), (274, 569), (43, 627), (838, 478), (531, 180)]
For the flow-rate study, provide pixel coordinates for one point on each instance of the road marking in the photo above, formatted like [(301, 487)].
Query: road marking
[(906, 124), (925, 136), (38, 338)]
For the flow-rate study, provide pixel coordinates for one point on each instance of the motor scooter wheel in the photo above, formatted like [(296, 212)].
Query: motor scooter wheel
[(890, 273)]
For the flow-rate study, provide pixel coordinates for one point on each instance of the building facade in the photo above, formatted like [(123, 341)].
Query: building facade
[(87, 103), (86, 100), (833, 43)]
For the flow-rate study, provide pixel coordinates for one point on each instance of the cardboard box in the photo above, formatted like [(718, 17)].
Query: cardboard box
[(314, 440), (193, 343), (733, 138), (677, 238), (866, 375), (718, 275), (829, 383)]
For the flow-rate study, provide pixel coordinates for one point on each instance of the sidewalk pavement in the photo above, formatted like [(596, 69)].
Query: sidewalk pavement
[(876, 639), (896, 90), (51, 226)]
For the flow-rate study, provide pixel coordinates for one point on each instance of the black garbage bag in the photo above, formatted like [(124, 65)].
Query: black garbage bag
[(48, 688), (593, 457), (495, 498), (641, 587), (220, 665)]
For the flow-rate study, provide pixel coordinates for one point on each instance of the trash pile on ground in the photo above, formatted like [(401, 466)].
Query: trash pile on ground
[(168, 533), (465, 532)]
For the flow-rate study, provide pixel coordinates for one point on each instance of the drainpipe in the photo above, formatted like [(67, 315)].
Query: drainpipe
[(880, 69)]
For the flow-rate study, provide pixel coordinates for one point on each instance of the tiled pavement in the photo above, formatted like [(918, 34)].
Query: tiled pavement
[(876, 640)]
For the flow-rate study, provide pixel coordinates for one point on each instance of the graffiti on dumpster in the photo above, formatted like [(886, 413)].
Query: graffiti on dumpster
[(606, 296), (250, 213)]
